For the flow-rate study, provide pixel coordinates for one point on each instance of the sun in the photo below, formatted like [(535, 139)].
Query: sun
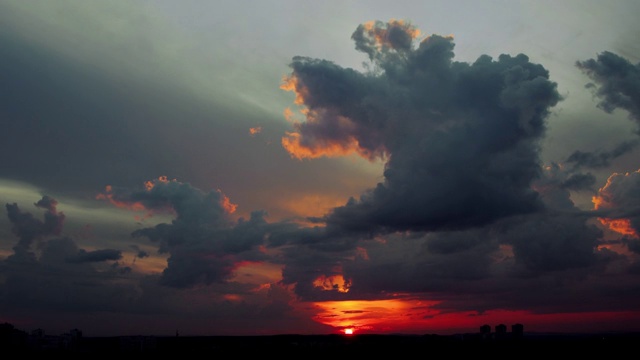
[(348, 331)]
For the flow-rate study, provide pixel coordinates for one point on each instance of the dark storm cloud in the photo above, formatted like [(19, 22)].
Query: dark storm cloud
[(47, 202), (553, 242), (579, 182), (205, 246), (28, 228), (429, 264), (484, 262), (57, 275), (95, 256), (617, 83), (460, 140), (139, 252)]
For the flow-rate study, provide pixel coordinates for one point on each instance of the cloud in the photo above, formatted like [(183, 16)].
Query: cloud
[(600, 159), (460, 141), (29, 229), (255, 130), (205, 245), (617, 83), (619, 200), (466, 207), (50, 273), (61, 284), (95, 256)]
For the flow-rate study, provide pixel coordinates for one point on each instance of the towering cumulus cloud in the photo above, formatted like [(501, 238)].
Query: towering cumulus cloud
[(460, 141)]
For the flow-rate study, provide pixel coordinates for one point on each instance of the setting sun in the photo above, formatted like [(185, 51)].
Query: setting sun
[(348, 331)]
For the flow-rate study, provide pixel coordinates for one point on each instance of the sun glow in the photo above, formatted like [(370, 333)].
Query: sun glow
[(374, 315), (348, 331)]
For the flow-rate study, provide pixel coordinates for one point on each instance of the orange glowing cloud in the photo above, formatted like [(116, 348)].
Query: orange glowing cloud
[(162, 179), (300, 149), (621, 226), (332, 283), (232, 297), (292, 143), (288, 115), (109, 196), (302, 143), (315, 205), (292, 83), (606, 199), (227, 205), (380, 34), (150, 265), (255, 130)]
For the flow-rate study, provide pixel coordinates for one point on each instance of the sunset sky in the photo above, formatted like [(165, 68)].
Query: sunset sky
[(299, 167)]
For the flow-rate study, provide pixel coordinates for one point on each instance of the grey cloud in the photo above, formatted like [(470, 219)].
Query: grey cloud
[(633, 245), (558, 239), (600, 159), (139, 252), (95, 256), (56, 275), (556, 182), (579, 182), (617, 83), (28, 228), (47, 202), (553, 242), (204, 244)]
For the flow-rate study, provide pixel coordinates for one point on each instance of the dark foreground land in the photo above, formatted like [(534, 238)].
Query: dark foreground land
[(339, 345)]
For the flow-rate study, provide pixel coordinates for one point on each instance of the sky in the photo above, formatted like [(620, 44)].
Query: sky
[(299, 167)]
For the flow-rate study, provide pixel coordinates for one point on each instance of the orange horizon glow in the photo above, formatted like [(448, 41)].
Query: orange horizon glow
[(414, 316), (373, 315)]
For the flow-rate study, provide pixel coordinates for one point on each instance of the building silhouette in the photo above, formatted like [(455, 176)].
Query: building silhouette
[(500, 332), (517, 331)]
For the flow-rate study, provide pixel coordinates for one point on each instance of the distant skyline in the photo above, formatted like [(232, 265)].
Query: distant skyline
[(261, 168)]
